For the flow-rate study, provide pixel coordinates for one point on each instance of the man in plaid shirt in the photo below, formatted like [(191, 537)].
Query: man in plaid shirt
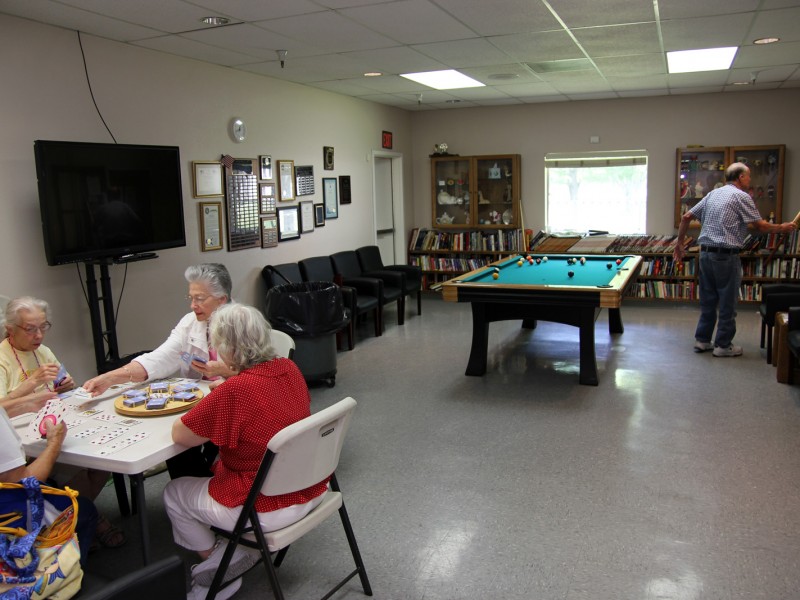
[(725, 214)]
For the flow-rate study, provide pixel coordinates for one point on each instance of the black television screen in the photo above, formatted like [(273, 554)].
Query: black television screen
[(108, 200)]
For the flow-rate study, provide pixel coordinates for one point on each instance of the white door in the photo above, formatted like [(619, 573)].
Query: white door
[(387, 177)]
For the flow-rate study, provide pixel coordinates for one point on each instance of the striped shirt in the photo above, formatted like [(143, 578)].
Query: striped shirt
[(725, 213)]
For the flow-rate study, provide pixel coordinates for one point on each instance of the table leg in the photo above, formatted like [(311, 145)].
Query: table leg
[(588, 365), (122, 494), (479, 351), (615, 321), (137, 491)]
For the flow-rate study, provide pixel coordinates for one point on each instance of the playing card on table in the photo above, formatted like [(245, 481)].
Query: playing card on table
[(107, 417), (109, 435), (86, 433), (129, 422), (90, 412), (53, 411), (122, 442)]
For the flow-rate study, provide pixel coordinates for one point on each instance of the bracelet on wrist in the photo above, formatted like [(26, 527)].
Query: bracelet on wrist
[(127, 369)]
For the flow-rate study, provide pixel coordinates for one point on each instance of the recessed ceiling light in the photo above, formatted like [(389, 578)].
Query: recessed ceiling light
[(766, 40), (215, 20), (454, 101), (443, 80), (373, 74), (741, 83), (693, 61)]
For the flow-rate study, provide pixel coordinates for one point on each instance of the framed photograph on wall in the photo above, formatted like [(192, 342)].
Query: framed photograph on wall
[(286, 180), (207, 179), (210, 226), (319, 215), (265, 167), (288, 223), (306, 216), (330, 197)]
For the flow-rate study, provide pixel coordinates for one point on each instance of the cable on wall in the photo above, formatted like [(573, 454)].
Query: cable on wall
[(91, 93)]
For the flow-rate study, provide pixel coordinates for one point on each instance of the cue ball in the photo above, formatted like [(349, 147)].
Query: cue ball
[(608, 265), (619, 261), (544, 259), (571, 273), (495, 275)]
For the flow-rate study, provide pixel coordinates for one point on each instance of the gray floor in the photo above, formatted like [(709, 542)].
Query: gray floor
[(677, 478)]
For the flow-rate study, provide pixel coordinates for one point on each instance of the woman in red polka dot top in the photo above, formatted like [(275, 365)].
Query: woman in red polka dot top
[(240, 416)]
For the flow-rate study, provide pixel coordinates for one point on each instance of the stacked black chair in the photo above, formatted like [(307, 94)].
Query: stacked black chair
[(775, 298), (371, 262), (161, 580), (346, 264), (366, 292)]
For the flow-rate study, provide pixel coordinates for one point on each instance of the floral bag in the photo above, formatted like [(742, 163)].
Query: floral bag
[(37, 561)]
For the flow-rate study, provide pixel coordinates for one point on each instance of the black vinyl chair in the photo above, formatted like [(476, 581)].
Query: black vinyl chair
[(371, 262), (290, 273), (346, 264), (775, 298), (297, 457), (364, 293), (162, 580)]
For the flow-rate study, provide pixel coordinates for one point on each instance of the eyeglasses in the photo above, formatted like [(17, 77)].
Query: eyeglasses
[(197, 299), (32, 329)]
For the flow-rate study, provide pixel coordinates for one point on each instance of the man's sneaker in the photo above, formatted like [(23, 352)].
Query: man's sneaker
[(729, 351), (199, 592), (703, 346), (242, 559)]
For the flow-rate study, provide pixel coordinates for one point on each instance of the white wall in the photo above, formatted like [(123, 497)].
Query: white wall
[(659, 125), (149, 97)]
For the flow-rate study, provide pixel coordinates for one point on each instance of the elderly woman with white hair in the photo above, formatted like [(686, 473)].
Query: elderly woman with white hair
[(240, 416), (188, 352), (29, 371)]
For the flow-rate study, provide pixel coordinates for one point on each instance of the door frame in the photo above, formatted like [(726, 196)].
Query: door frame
[(398, 203)]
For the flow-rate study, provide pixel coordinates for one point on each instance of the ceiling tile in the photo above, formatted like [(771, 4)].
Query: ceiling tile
[(174, 44), (603, 12), (500, 17), (409, 21), (685, 9), (619, 40), (538, 47), (474, 52), (400, 59), (753, 57), (632, 66), (706, 32), (258, 10), (172, 16), (251, 40)]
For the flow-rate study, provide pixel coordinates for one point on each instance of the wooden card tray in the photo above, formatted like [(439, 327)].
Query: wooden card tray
[(172, 407)]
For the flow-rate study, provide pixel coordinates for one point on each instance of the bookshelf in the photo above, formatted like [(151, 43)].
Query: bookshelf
[(771, 258)]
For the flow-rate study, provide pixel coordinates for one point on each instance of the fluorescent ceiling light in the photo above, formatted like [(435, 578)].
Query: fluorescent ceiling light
[(692, 61), (443, 80)]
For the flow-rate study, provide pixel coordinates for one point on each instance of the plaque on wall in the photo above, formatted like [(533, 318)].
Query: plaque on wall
[(344, 189)]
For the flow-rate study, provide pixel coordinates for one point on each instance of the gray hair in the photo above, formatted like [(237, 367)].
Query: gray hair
[(214, 275), (241, 334), (20, 305), (733, 172)]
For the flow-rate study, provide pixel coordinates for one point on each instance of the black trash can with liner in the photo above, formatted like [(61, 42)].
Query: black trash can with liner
[(311, 313)]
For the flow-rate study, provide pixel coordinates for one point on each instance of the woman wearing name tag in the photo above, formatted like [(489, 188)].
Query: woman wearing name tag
[(209, 288)]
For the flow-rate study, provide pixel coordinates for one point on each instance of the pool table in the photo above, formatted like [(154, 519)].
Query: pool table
[(545, 291)]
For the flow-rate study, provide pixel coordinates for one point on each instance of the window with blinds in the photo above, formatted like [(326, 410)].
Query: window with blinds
[(605, 191)]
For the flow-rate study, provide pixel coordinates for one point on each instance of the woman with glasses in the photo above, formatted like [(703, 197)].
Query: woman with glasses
[(30, 374), (29, 371), (187, 352)]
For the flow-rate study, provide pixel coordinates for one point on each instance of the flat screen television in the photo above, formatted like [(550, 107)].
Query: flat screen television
[(101, 201)]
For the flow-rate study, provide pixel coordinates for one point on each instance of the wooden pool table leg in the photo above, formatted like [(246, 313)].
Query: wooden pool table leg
[(588, 361), (478, 354), (615, 321)]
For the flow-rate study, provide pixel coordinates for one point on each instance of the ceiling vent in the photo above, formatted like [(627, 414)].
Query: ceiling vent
[(560, 66)]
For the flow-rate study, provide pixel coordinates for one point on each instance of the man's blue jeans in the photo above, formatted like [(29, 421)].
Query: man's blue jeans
[(720, 279)]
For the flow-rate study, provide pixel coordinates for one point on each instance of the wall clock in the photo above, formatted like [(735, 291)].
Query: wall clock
[(238, 130)]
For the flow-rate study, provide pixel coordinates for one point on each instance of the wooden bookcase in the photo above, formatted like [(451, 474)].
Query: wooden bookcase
[(475, 211)]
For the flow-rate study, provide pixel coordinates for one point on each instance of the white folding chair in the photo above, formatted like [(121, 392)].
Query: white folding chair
[(282, 342), (297, 457)]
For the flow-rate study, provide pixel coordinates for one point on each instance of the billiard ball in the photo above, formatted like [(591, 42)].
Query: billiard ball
[(583, 260), (544, 259), (496, 269), (495, 275), (571, 273), (519, 262), (528, 257), (619, 261), (538, 261), (608, 265)]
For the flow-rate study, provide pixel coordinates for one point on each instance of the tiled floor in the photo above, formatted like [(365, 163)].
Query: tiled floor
[(677, 478)]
